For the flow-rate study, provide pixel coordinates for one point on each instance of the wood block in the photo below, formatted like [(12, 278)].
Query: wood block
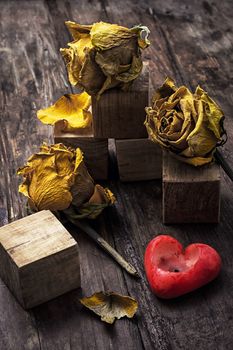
[(190, 195), (95, 151), (138, 159), (39, 259), (121, 114)]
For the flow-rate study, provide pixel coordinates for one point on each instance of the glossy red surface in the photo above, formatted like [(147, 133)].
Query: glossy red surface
[(172, 271)]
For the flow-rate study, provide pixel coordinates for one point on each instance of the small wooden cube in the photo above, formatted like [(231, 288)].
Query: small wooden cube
[(190, 194), (95, 151), (39, 259), (121, 114), (138, 159)]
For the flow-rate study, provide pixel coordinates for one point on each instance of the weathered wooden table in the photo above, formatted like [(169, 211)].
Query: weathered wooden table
[(191, 41)]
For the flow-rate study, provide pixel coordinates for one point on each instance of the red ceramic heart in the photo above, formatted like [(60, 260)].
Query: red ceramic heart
[(172, 271)]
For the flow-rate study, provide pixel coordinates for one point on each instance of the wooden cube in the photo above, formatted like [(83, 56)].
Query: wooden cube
[(190, 194), (39, 259), (121, 114), (95, 151), (138, 159)]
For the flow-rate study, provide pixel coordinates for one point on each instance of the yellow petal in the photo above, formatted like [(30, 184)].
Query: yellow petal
[(72, 64), (45, 188), (78, 30), (106, 36), (195, 161), (212, 111), (100, 199), (71, 108), (166, 90), (201, 140), (102, 195), (111, 306), (75, 57), (80, 47)]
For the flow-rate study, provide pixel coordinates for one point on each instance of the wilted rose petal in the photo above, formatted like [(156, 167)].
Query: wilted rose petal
[(111, 306), (69, 113)]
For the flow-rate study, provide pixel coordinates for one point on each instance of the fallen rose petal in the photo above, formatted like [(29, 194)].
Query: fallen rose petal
[(70, 112), (110, 305)]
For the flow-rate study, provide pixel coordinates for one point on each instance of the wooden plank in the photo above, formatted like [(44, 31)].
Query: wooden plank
[(95, 151), (32, 76), (32, 67), (181, 34), (190, 194), (39, 259), (191, 322), (121, 114), (138, 159)]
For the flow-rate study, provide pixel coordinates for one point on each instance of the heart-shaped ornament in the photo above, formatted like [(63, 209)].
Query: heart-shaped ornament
[(172, 271)]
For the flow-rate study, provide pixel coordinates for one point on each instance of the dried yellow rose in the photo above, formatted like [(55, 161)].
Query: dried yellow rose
[(189, 125), (104, 55), (56, 177), (111, 305), (69, 113)]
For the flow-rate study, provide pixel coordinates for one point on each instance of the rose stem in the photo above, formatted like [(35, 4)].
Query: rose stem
[(221, 161), (84, 226)]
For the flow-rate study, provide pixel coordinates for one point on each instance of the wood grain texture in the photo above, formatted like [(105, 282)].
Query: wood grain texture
[(191, 42), (121, 114), (39, 259), (190, 195), (95, 151), (138, 159)]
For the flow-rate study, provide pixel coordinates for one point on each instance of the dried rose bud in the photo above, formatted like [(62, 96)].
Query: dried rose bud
[(104, 55), (56, 178)]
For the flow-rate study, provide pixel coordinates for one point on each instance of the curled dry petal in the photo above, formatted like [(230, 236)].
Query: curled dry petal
[(189, 125), (104, 55), (69, 113), (111, 306), (56, 177)]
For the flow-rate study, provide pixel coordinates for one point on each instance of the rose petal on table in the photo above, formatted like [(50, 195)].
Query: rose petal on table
[(111, 305), (69, 112)]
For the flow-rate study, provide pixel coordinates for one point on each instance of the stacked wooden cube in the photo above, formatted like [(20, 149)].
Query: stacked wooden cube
[(120, 115), (95, 150), (190, 195)]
